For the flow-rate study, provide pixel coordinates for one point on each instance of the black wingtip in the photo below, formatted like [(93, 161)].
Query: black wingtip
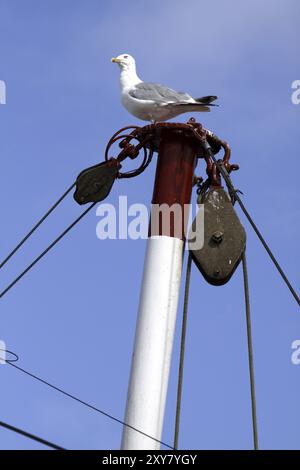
[(206, 99)]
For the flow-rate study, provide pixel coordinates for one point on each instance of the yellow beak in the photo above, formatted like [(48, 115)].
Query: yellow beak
[(115, 60)]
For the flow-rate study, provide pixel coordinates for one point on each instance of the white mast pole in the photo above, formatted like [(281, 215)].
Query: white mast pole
[(159, 294)]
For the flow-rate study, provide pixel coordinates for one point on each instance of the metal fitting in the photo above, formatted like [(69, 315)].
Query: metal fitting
[(217, 236)]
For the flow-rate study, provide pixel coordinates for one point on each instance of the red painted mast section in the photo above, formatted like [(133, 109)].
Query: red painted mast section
[(177, 158)]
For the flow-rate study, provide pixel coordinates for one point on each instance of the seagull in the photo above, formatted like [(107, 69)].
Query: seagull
[(152, 101)]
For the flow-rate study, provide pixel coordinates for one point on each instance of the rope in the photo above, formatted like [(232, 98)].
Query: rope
[(230, 186), (36, 260), (250, 352), (36, 226), (182, 351), (73, 397), (30, 436), (249, 341), (222, 169)]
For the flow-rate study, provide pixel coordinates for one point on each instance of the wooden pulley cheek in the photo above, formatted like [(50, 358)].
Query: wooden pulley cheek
[(224, 237), (94, 183)]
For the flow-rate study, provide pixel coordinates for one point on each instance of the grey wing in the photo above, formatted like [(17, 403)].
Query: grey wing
[(158, 93)]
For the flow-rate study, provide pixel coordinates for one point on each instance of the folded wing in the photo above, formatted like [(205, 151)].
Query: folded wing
[(159, 94)]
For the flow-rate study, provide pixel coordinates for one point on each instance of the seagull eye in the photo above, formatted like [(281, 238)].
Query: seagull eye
[(125, 56)]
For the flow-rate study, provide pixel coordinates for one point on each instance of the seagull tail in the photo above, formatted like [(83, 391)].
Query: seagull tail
[(207, 100)]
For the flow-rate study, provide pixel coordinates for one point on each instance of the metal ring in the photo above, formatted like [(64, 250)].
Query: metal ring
[(117, 136), (15, 357), (142, 143)]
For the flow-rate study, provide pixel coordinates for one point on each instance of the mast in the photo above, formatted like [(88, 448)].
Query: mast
[(159, 295)]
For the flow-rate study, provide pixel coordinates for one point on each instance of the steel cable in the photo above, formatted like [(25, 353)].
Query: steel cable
[(35, 227), (30, 436), (250, 351), (38, 258), (88, 405), (182, 351)]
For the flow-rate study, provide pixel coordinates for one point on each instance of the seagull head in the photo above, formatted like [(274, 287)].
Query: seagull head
[(125, 62)]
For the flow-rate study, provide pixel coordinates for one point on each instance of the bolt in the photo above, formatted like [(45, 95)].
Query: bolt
[(217, 236), (216, 272)]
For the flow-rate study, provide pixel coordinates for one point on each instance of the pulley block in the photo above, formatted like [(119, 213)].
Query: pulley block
[(224, 237), (94, 183)]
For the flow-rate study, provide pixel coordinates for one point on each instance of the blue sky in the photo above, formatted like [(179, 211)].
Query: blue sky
[(72, 318)]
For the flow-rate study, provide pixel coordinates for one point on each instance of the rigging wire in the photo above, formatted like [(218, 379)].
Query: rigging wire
[(38, 258), (88, 405), (182, 351), (249, 343), (249, 337), (35, 227), (31, 436), (250, 351), (235, 192)]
